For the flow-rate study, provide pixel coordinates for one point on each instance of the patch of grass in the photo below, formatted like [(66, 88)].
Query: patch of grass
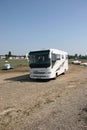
[(85, 114), (85, 109), (85, 119), (2, 63), (15, 63)]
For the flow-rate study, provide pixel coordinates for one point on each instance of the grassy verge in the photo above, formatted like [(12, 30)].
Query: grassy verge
[(14, 63), (18, 65)]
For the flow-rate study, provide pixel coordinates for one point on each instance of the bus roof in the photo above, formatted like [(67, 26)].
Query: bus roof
[(48, 50)]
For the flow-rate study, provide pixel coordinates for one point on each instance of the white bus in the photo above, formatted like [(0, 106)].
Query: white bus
[(47, 64)]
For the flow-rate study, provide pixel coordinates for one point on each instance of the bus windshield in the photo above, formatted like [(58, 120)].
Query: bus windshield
[(39, 59)]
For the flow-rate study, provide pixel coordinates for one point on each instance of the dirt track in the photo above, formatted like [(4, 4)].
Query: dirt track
[(59, 104)]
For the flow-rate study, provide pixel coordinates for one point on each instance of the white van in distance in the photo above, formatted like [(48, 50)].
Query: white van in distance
[(47, 64)]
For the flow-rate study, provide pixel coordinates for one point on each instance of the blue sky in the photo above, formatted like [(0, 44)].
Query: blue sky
[(27, 25)]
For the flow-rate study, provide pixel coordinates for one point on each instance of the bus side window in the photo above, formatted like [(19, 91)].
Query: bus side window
[(66, 56), (62, 56), (53, 57), (58, 57)]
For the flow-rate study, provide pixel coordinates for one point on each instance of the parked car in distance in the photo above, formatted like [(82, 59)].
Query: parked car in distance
[(84, 63), (6, 66), (76, 62)]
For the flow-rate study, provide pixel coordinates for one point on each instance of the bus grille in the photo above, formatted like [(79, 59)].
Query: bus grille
[(37, 72)]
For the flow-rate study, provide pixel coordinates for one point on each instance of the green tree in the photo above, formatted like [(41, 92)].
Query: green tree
[(6, 56), (9, 54), (76, 56)]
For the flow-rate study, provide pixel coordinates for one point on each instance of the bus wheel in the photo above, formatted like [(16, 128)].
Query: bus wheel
[(56, 75)]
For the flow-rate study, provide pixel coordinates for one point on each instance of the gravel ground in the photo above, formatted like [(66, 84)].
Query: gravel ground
[(59, 104)]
